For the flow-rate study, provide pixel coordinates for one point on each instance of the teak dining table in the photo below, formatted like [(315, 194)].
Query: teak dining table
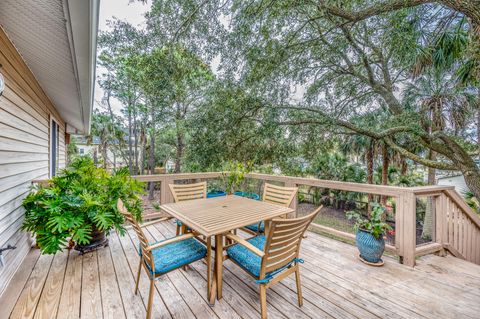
[(218, 216)]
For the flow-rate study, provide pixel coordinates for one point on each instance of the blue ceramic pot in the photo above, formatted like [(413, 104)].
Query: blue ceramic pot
[(213, 194), (371, 249), (248, 195)]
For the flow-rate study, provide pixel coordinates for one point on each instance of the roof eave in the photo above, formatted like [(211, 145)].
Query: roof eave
[(83, 46)]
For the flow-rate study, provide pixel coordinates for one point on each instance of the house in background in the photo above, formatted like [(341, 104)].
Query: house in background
[(454, 178), (91, 147), (47, 58)]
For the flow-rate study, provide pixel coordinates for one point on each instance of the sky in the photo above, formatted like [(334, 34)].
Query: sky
[(126, 10)]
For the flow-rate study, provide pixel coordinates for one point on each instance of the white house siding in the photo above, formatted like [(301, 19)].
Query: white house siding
[(458, 181), (25, 113)]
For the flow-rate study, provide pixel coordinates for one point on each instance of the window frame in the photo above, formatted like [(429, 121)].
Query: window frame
[(53, 154)]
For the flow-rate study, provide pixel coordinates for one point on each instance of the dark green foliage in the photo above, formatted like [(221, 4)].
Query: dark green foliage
[(82, 197)]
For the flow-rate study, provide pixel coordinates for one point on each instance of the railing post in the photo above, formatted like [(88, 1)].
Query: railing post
[(294, 203), (165, 194), (440, 222), (405, 226)]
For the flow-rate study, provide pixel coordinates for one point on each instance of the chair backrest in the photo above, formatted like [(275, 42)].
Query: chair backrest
[(146, 255), (283, 241), (279, 195), (182, 192)]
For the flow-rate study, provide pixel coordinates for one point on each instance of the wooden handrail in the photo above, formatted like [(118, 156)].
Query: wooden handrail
[(467, 210), (405, 216)]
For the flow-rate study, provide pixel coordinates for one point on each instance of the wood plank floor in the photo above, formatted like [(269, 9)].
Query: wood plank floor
[(335, 285)]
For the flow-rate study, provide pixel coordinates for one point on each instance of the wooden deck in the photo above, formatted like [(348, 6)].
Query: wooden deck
[(335, 285)]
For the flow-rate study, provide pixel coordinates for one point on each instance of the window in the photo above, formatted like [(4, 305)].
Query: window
[(54, 139), (82, 151)]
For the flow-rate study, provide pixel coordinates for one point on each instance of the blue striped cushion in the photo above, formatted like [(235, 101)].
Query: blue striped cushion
[(245, 258), (177, 254)]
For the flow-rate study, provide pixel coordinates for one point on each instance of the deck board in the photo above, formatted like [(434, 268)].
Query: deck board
[(335, 285)]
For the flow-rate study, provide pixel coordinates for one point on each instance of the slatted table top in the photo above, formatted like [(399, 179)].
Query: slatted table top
[(214, 216)]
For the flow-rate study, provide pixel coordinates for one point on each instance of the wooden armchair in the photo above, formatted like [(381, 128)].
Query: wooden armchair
[(183, 192), (164, 256), (277, 195), (270, 259)]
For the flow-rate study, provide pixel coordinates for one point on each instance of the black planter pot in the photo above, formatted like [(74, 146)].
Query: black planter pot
[(98, 240)]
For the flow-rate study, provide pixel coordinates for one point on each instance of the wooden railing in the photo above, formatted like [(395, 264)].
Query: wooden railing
[(455, 227)]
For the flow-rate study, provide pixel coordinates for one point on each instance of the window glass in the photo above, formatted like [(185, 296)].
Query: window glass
[(54, 149)]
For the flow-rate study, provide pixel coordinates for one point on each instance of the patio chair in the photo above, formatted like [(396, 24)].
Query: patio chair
[(183, 192), (164, 256), (274, 194), (270, 259)]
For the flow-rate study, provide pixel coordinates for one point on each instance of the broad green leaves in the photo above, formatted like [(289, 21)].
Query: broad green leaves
[(77, 201)]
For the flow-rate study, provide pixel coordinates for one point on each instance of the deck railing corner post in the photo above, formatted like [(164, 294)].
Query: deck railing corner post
[(405, 227)]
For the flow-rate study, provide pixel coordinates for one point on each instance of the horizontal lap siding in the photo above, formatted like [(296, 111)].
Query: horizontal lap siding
[(25, 114)]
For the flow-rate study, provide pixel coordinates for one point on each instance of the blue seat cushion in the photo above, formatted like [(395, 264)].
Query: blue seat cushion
[(177, 254), (255, 228), (245, 258)]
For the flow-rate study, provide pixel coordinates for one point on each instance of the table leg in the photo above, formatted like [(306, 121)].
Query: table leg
[(219, 264), (209, 267)]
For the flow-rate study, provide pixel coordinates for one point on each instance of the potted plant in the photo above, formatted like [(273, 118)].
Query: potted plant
[(234, 176), (78, 207), (370, 234)]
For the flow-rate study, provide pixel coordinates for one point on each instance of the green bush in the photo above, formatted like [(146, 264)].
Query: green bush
[(77, 201)]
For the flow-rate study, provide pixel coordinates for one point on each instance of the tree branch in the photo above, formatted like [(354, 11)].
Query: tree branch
[(419, 159), (373, 10)]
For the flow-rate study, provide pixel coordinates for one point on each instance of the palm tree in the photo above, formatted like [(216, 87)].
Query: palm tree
[(445, 107)]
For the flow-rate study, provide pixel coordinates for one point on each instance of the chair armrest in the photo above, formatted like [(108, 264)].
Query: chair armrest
[(171, 240), (246, 244), (154, 221)]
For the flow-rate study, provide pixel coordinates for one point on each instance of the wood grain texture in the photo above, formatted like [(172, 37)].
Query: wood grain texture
[(218, 215), (50, 298), (333, 285), (27, 302), (91, 299), (69, 307)]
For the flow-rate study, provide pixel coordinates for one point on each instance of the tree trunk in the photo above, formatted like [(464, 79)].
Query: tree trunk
[(429, 209), (130, 164), (179, 144), (385, 165), (179, 153), (135, 134), (403, 166), (370, 155), (472, 179), (143, 149), (151, 161)]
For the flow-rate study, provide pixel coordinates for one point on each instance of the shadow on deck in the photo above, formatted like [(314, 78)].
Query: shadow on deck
[(335, 285)]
